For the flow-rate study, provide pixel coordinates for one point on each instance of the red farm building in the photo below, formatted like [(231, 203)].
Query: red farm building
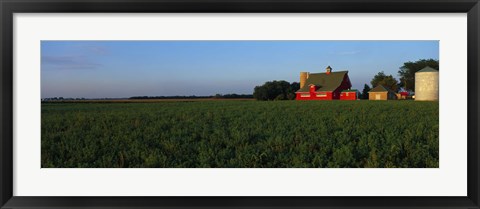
[(351, 94), (325, 86)]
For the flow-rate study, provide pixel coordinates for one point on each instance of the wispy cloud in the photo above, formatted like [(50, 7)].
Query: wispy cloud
[(69, 62), (96, 49)]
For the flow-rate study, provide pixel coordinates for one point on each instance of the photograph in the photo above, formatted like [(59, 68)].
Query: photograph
[(239, 103)]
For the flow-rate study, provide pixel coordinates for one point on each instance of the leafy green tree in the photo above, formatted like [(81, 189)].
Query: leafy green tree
[(295, 86), (408, 70), (260, 93), (280, 97), (365, 91), (276, 90), (385, 80)]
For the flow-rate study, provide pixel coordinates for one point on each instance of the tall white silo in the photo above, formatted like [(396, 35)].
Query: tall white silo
[(426, 84)]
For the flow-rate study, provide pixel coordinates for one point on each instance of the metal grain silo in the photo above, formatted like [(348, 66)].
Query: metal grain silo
[(426, 84)]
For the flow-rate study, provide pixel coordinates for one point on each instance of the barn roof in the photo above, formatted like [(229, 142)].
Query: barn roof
[(350, 90), (380, 88), (427, 69), (324, 82)]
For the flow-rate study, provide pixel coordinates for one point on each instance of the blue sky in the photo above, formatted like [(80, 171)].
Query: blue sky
[(115, 69)]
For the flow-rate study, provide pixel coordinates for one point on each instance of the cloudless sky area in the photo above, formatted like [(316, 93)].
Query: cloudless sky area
[(119, 69)]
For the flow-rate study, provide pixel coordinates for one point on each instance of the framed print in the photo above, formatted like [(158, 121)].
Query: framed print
[(239, 104)]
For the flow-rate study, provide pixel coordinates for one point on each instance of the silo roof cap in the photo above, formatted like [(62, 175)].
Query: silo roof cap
[(427, 69)]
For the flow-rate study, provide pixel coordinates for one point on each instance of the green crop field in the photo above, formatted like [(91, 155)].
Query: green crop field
[(241, 134)]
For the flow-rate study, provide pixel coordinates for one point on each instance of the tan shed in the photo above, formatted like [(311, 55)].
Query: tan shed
[(381, 93)]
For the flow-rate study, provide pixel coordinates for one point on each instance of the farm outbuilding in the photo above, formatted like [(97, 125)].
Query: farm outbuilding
[(426, 84), (351, 94), (323, 86), (403, 95), (381, 93)]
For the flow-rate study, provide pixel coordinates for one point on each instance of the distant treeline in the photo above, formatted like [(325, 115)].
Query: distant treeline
[(216, 96), (233, 96), (169, 97), (61, 99)]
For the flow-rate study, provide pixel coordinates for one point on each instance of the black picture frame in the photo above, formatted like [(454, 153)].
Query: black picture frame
[(9, 7)]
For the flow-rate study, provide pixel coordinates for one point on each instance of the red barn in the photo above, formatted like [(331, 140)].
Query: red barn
[(352, 94), (323, 86)]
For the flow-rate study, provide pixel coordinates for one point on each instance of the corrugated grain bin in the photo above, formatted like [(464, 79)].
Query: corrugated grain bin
[(426, 85)]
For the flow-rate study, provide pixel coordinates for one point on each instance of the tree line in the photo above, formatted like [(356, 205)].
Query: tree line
[(406, 75), (216, 96), (276, 90)]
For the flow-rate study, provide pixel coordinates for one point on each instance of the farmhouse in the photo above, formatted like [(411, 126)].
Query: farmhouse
[(381, 93), (323, 86)]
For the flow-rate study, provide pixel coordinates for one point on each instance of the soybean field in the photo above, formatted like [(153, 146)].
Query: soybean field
[(241, 134)]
